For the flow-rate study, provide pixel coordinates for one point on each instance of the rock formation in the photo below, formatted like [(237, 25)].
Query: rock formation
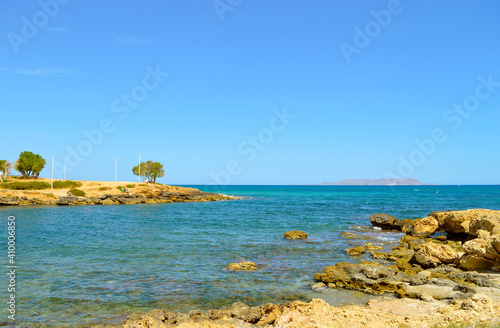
[(295, 234), (242, 266)]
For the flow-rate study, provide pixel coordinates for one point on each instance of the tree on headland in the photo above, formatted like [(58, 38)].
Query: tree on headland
[(29, 164), (5, 167), (149, 170)]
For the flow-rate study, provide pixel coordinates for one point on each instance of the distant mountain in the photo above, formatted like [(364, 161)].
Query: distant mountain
[(377, 182)]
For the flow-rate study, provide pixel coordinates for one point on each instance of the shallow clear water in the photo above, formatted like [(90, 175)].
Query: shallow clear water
[(81, 265)]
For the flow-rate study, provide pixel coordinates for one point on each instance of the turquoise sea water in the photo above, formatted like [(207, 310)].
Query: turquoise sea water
[(91, 264)]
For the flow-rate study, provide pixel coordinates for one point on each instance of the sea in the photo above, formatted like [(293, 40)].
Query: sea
[(82, 265)]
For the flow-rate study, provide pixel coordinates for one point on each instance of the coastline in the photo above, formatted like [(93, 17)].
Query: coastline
[(109, 193), (438, 281)]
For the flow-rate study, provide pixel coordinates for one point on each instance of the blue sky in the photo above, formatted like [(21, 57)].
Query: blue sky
[(254, 92)]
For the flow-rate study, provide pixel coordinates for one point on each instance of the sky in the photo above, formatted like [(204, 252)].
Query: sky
[(254, 92)]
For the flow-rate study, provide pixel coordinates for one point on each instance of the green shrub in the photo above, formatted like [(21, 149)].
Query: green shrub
[(104, 188), (51, 196), (142, 184), (31, 185), (67, 184), (130, 186), (120, 188), (77, 192)]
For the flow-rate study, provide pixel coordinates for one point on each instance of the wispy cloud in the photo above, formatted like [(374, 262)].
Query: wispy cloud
[(361, 78), (44, 71), (132, 41), (57, 29)]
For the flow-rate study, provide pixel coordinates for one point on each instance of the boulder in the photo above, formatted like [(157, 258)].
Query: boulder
[(242, 266), (473, 263), (493, 250), (384, 221), (481, 253), (425, 261), (296, 234), (430, 255), (356, 251), (423, 227), (402, 225), (476, 247), (421, 278)]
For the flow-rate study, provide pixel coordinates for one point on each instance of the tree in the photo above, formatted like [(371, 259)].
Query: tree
[(149, 170), (5, 167), (30, 164)]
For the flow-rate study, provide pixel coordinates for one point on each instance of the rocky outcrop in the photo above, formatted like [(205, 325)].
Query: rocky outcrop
[(295, 234), (242, 266), (12, 201), (481, 229), (115, 199), (429, 268), (477, 229), (469, 222), (68, 200), (381, 220), (371, 279)]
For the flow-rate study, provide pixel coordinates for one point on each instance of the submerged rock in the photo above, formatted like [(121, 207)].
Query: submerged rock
[(296, 234), (242, 266), (370, 247), (356, 251)]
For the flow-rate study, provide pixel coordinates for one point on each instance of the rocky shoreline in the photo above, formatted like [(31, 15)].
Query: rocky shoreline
[(445, 271), (96, 194), (109, 199)]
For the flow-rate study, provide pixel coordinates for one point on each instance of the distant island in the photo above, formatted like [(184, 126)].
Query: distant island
[(377, 182)]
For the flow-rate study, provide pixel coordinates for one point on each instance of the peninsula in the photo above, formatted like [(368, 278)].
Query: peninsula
[(65, 192)]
